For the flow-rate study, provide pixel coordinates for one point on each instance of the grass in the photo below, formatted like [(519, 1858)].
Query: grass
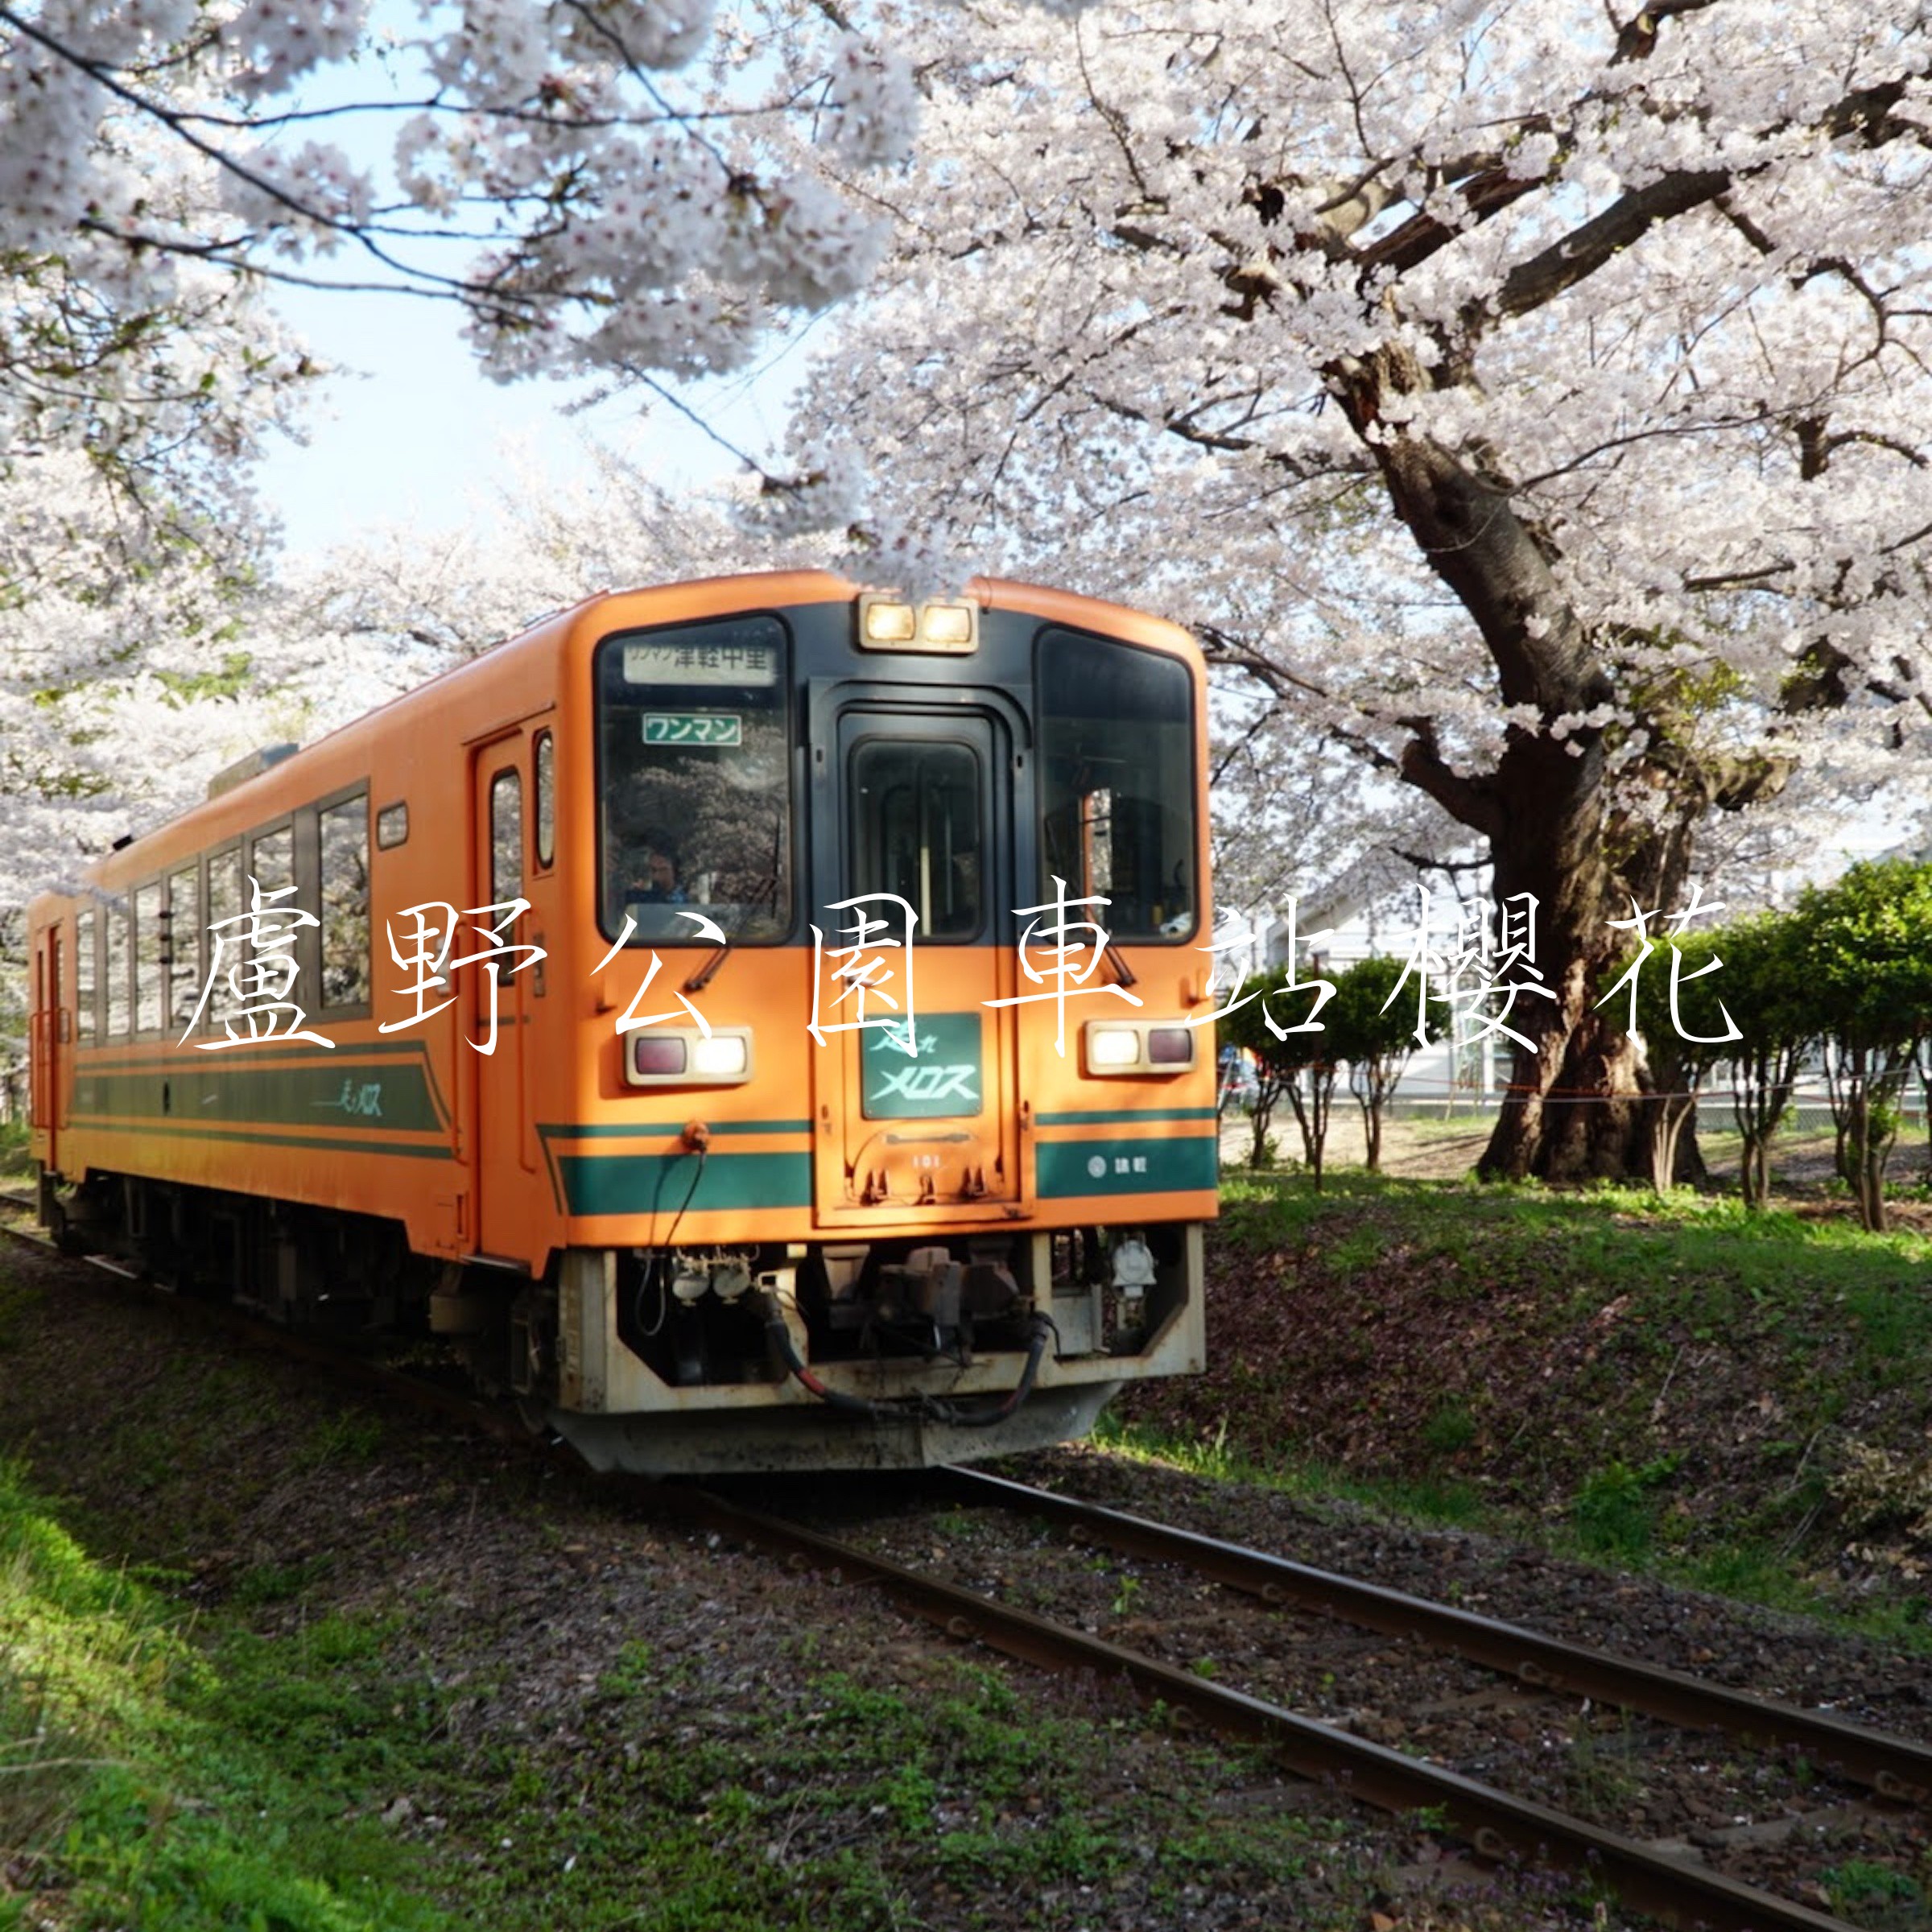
[(1672, 1383), (197, 1779), (835, 1803), (245, 1770), (137, 1770)]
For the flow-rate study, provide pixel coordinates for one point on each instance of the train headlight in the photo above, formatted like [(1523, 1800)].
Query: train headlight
[(687, 1056), (1118, 1046), (950, 628), (884, 621), (724, 1056), (1112, 1048)]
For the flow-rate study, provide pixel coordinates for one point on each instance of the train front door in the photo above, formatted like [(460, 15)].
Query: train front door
[(915, 1080)]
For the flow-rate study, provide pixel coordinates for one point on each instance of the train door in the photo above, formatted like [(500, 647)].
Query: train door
[(504, 977), (47, 1043), (915, 1080)]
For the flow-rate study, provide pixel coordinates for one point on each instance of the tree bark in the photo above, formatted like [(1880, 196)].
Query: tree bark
[(1573, 1110)]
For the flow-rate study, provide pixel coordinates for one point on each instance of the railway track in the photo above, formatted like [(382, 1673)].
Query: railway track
[(1660, 1880), (1663, 1882)]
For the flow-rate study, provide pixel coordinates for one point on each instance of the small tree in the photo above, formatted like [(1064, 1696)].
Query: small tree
[(1243, 1026), (1864, 958), (1265, 1018), (1763, 986), (1377, 1040), (1313, 1066)]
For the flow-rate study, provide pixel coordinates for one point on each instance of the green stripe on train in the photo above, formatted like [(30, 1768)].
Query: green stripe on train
[(331, 1090), (1122, 1116), (663, 1183), (1064, 1170)]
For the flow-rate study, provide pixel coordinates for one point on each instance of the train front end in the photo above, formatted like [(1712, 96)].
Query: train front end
[(891, 1130)]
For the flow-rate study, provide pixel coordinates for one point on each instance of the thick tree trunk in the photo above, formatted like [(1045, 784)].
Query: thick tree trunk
[(1575, 1107)]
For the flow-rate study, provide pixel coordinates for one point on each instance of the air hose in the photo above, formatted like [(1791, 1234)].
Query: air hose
[(1039, 1331)]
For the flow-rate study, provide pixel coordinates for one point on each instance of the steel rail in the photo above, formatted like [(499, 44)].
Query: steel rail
[(1677, 1891), (1895, 1768)]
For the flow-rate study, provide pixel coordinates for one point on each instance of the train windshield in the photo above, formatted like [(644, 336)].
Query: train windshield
[(1117, 783), (694, 781)]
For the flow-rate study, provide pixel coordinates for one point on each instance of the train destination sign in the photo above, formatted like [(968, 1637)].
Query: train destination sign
[(671, 661)]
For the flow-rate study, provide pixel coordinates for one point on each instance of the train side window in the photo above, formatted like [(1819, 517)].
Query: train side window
[(184, 946), (392, 825), (694, 775), (119, 964), (150, 934), (344, 839), (545, 763), (505, 838), (225, 904), (271, 860), (84, 983), (1116, 783), (271, 864)]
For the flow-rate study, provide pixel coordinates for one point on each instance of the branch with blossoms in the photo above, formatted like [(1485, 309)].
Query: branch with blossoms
[(151, 149)]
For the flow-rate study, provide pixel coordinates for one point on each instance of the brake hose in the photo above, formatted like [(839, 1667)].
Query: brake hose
[(1039, 1330)]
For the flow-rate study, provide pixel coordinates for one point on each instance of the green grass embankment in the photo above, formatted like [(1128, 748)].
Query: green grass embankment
[(1740, 1399), (146, 1783)]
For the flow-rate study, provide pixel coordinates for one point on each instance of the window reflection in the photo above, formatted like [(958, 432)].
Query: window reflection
[(913, 822), (1116, 783), (694, 780)]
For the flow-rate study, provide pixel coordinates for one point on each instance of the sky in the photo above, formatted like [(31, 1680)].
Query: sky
[(410, 432), (409, 429)]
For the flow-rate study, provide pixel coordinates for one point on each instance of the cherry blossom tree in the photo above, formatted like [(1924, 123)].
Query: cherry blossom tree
[(1530, 396), (595, 203), (386, 611)]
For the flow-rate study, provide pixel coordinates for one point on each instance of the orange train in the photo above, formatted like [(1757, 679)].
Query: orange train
[(760, 1019)]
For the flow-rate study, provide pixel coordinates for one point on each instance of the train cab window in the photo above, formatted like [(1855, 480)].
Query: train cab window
[(150, 934), (343, 840), (914, 830), (694, 781), (1116, 783), (84, 976), (184, 947), (118, 963), (544, 760)]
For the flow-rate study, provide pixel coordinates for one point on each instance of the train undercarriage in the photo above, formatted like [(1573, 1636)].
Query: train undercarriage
[(835, 1354)]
